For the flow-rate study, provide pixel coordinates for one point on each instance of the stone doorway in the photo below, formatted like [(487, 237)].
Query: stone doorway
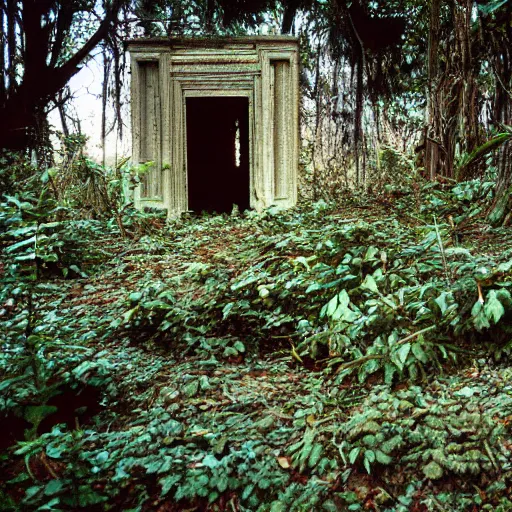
[(187, 96), (217, 153)]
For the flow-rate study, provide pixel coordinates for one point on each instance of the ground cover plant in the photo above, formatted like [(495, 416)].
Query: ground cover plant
[(337, 356)]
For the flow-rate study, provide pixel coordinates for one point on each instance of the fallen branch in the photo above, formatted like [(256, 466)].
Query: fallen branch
[(415, 334)]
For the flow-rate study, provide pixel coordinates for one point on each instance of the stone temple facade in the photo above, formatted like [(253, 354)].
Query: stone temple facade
[(218, 119)]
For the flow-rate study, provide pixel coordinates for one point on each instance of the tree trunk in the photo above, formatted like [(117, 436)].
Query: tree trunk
[(26, 102), (104, 94), (317, 94), (290, 11), (433, 129), (3, 92), (500, 213)]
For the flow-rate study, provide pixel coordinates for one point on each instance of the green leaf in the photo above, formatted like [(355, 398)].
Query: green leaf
[(382, 458), (367, 465), (403, 352), (505, 267), (419, 353), (370, 455), (480, 320), (135, 296), (87, 497), (8, 382), (493, 308), (53, 487), (389, 372), (342, 311), (370, 284), (230, 352), (239, 346), (369, 440), (441, 302), (102, 457), (247, 491), (399, 357), (210, 461), (32, 491), (466, 392), (168, 483), (332, 305), (316, 454), (304, 261), (191, 388), (222, 483), (490, 7), (278, 506), (54, 451), (433, 470), (371, 253), (354, 453), (227, 309), (128, 315), (23, 243)]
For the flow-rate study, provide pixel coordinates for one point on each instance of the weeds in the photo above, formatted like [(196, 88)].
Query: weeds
[(336, 356)]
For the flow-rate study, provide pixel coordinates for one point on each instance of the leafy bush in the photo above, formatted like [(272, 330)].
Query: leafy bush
[(263, 362), (368, 296)]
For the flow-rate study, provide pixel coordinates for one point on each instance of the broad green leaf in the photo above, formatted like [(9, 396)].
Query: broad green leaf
[(466, 392), (239, 346), (343, 298), (128, 315), (230, 352), (102, 457), (441, 302), (22, 243), (191, 388), (389, 372), (168, 483), (371, 253), (505, 267), (433, 470), (370, 455), (332, 305), (227, 309), (210, 461), (383, 458), (403, 352), (369, 440), (32, 491), (370, 284), (53, 487), (354, 453), (493, 308), (303, 261), (278, 506), (480, 319), (315, 455), (419, 353)]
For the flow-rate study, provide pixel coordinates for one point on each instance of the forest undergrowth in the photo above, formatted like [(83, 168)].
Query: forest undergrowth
[(344, 356)]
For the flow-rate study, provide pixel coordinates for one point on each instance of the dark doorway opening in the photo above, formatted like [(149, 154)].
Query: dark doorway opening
[(218, 153)]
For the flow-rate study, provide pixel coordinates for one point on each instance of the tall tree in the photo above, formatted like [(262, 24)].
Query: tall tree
[(42, 55)]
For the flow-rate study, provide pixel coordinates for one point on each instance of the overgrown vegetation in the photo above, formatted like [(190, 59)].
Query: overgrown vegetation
[(338, 356), (352, 353)]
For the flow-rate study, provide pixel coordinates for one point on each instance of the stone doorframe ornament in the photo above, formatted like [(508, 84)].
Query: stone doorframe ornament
[(165, 72)]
